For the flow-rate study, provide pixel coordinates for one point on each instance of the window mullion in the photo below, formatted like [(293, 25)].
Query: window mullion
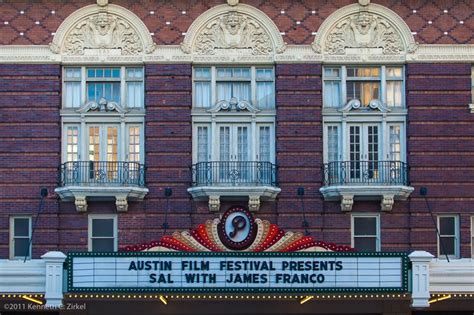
[(343, 85), (253, 85), (383, 86), (83, 85), (123, 87), (213, 86)]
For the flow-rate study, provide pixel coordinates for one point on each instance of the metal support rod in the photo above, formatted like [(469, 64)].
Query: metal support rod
[(43, 194), (423, 192)]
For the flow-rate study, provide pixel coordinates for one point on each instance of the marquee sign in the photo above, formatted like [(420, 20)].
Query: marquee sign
[(237, 272)]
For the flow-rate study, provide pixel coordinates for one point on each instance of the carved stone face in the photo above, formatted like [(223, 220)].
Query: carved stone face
[(232, 22), (102, 21), (363, 22)]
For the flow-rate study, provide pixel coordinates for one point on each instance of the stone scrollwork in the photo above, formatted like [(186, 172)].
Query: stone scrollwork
[(102, 106), (233, 105), (233, 30), (363, 30), (355, 104), (103, 31)]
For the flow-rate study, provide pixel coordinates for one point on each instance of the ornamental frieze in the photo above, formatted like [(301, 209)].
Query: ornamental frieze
[(237, 230), (103, 31), (233, 30), (363, 30)]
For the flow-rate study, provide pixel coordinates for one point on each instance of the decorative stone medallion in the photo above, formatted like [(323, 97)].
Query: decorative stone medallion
[(233, 31), (237, 229), (364, 30), (103, 31)]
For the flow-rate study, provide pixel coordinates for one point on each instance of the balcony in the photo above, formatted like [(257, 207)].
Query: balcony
[(233, 179), (87, 180), (366, 180)]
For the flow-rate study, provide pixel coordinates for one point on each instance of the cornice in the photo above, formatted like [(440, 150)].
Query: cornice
[(172, 54)]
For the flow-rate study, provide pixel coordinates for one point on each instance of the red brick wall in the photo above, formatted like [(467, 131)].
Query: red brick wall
[(441, 148), (299, 145), (440, 142), (29, 148), (301, 10)]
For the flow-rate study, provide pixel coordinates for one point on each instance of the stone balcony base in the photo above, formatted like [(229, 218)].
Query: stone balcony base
[(215, 193), (81, 194), (348, 193)]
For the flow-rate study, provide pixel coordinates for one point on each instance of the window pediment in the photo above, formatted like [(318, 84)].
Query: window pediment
[(233, 106), (355, 105), (102, 106), (94, 28), (372, 27), (240, 29)]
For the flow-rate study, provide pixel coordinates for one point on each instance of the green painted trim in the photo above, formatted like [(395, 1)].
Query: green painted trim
[(403, 256)]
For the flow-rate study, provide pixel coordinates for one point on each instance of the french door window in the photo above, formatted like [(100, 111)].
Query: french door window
[(101, 153), (363, 151), (234, 155)]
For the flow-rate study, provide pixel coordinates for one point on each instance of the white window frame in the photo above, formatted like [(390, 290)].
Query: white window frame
[(378, 232), (272, 142), (472, 89), (12, 236), (382, 79), (472, 236), (457, 245), (141, 141), (326, 142), (91, 217), (253, 83), (253, 132), (122, 135), (123, 84)]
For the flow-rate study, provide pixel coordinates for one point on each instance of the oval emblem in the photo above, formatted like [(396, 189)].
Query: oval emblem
[(237, 229)]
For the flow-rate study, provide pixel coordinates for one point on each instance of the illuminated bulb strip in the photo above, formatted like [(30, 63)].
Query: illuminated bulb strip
[(236, 296)]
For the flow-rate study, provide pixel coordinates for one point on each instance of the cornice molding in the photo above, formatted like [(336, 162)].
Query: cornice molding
[(172, 54)]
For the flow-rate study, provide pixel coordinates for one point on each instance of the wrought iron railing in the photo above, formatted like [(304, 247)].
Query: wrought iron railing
[(365, 173), (102, 173), (234, 173)]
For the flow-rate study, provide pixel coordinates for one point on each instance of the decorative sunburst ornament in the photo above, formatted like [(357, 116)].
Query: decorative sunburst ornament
[(238, 231)]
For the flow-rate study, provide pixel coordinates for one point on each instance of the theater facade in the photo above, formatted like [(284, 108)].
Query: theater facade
[(242, 157)]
